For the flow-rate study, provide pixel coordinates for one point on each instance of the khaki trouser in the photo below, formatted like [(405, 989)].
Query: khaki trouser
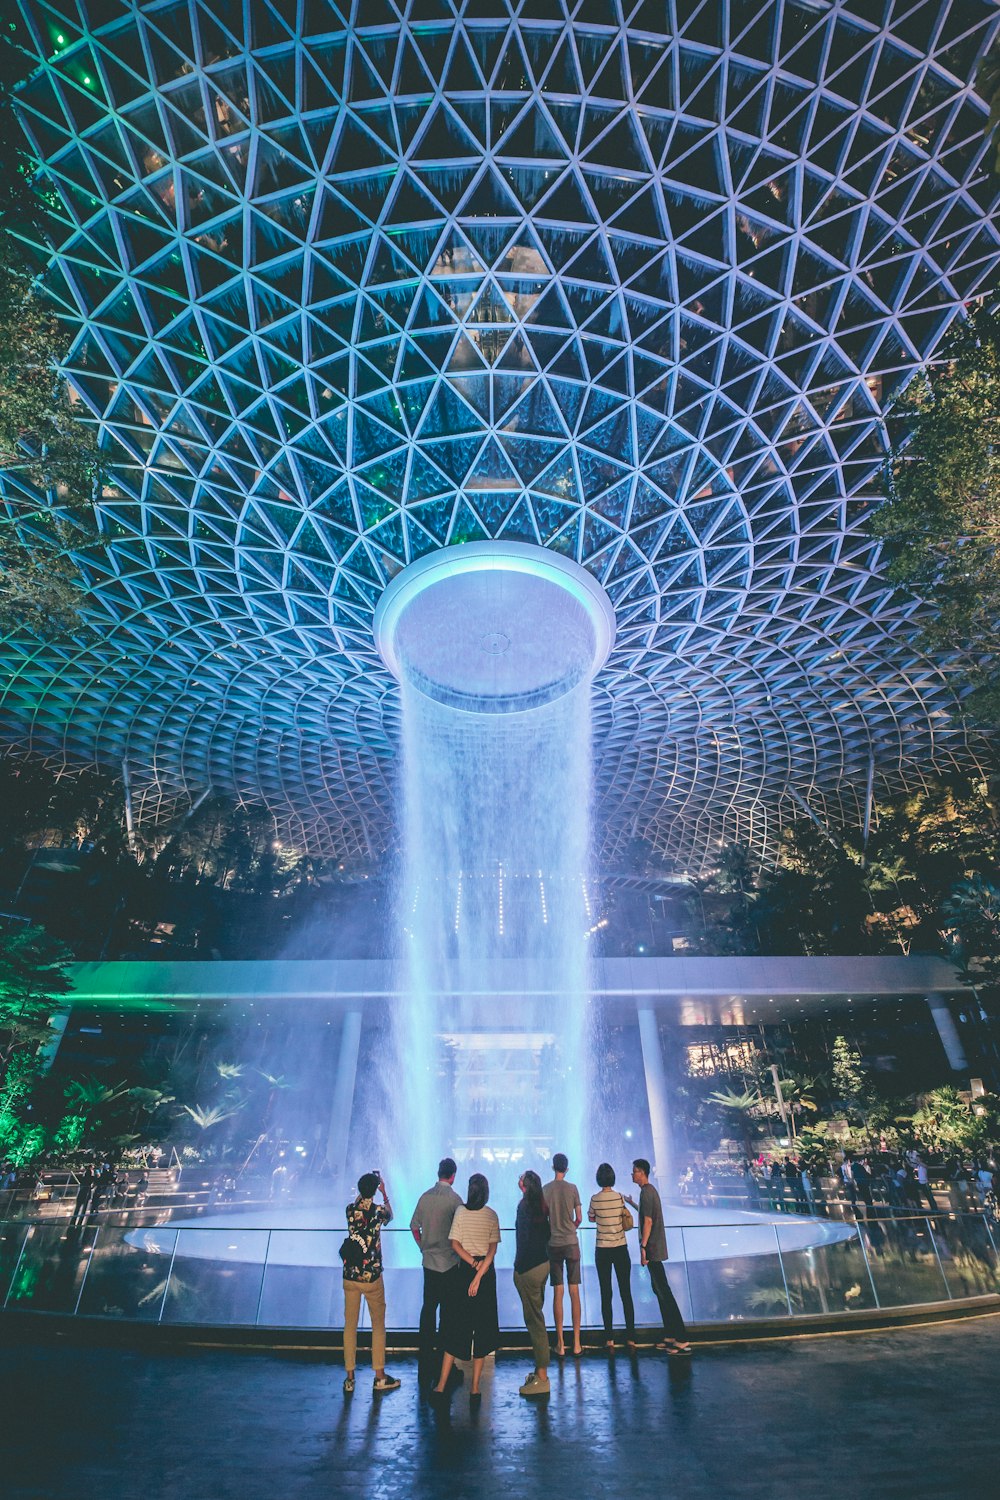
[(374, 1294), (530, 1287)]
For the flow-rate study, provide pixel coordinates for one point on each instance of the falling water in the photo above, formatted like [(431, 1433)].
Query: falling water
[(493, 1039)]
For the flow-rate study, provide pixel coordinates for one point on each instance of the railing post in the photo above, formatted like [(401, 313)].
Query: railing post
[(781, 1267), (263, 1275), (937, 1256), (170, 1272), (864, 1256), (86, 1269), (687, 1270)]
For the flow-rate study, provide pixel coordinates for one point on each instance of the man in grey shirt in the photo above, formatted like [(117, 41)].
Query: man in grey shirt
[(562, 1199), (431, 1228), (653, 1252)]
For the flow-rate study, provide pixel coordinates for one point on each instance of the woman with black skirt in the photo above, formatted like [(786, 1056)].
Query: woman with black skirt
[(470, 1323)]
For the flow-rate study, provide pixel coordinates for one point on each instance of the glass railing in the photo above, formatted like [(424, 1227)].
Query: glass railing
[(292, 1278)]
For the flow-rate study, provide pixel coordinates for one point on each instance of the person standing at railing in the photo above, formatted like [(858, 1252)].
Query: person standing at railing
[(653, 1252), (531, 1272), (431, 1226), (562, 1199), (361, 1253), (83, 1192), (923, 1182), (102, 1186), (470, 1327), (607, 1210)]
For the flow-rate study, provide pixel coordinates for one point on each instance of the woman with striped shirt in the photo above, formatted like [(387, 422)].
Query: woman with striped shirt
[(470, 1324), (606, 1210)]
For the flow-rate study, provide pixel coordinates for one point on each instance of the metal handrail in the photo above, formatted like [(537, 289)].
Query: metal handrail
[(860, 1239)]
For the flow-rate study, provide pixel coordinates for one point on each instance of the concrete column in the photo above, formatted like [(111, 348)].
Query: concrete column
[(343, 1095), (948, 1032), (656, 1094)]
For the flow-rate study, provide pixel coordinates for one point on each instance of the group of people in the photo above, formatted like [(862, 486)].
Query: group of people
[(458, 1241), (99, 1185), (864, 1181), (103, 1184)]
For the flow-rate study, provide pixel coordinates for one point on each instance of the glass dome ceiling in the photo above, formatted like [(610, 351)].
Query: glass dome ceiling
[(379, 278)]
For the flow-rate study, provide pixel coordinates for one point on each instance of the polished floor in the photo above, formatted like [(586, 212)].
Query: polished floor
[(910, 1413)]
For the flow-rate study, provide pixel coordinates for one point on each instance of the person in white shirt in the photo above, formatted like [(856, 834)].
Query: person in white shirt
[(923, 1182), (470, 1323)]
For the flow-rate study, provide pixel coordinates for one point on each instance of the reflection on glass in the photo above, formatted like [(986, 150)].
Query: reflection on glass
[(303, 1281), (12, 1238), (293, 1278), (217, 1276), (50, 1267), (904, 1265), (127, 1277), (825, 1278), (967, 1254)]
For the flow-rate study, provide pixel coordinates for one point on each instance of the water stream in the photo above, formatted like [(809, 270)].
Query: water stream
[(493, 1041)]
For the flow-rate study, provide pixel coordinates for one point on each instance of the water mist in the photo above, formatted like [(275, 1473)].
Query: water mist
[(494, 648)]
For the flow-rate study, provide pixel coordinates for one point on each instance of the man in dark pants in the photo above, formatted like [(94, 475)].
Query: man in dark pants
[(83, 1192), (653, 1247), (431, 1228)]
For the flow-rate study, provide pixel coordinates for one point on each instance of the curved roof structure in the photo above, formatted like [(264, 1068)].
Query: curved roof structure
[(352, 280)]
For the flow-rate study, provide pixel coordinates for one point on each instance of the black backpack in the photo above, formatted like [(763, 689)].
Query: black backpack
[(352, 1254)]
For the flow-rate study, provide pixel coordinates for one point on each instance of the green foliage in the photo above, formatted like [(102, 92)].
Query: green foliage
[(233, 847), (925, 879), (849, 1080), (44, 446), (32, 980), (228, 1072), (941, 522), (974, 910), (742, 1108), (943, 1120), (205, 1116), (41, 802)]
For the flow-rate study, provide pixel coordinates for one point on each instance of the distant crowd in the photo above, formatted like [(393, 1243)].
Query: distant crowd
[(458, 1242), (877, 1181), (98, 1185)]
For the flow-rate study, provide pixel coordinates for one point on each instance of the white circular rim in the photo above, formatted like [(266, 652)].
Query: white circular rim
[(507, 557)]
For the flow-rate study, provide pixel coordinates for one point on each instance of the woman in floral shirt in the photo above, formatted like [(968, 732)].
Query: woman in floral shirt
[(363, 1278)]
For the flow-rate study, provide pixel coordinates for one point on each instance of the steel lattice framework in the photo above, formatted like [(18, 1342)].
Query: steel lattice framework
[(350, 280)]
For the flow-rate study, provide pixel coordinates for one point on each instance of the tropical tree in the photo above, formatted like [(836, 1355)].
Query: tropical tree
[(90, 1097), (798, 1092), (33, 979), (741, 1110), (973, 909), (850, 1083), (941, 521), (207, 1116), (943, 1120), (229, 1072), (49, 462)]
